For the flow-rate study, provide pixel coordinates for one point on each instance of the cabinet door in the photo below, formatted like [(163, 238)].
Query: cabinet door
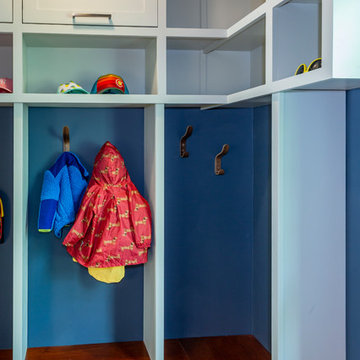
[(93, 12), (5, 10)]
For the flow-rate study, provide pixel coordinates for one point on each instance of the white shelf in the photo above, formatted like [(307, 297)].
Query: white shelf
[(6, 99), (103, 100), (89, 30), (84, 100), (195, 100), (193, 33)]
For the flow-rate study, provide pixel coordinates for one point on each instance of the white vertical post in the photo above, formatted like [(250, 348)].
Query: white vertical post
[(20, 271), (154, 269), (308, 227)]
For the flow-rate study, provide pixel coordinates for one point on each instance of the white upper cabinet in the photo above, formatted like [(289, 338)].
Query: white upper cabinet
[(5, 10), (91, 12)]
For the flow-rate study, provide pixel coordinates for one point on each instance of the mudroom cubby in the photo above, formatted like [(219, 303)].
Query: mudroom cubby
[(217, 233), (53, 59), (216, 14), (297, 36), (197, 66), (6, 241), (66, 305)]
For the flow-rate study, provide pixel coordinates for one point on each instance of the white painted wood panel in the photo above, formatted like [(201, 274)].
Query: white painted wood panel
[(154, 158), (6, 11), (20, 231), (123, 12), (308, 226), (346, 32)]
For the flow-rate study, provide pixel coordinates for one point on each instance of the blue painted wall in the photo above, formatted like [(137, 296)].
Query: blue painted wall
[(209, 224), (6, 244), (353, 224), (262, 226), (66, 305)]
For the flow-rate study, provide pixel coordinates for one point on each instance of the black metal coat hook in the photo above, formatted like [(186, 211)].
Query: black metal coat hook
[(66, 139), (183, 152), (224, 151)]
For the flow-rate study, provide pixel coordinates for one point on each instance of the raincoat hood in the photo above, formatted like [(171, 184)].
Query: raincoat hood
[(109, 167)]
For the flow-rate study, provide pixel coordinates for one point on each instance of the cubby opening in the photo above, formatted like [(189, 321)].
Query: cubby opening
[(218, 235), (297, 36), (51, 60), (66, 305), (6, 241), (208, 13), (6, 56), (216, 67)]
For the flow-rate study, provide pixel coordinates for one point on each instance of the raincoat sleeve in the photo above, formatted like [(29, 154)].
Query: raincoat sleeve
[(141, 218), (48, 202)]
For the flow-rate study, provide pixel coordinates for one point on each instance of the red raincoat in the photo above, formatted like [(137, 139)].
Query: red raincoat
[(113, 225)]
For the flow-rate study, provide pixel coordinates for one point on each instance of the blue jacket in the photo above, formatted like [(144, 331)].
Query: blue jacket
[(62, 191)]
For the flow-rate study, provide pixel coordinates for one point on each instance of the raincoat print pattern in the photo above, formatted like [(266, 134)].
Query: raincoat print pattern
[(113, 225)]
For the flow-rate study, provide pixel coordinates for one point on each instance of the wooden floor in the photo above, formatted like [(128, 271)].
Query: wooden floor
[(5, 354), (212, 348), (216, 348)]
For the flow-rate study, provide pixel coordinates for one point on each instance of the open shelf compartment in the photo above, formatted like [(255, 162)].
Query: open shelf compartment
[(217, 14), (51, 60), (228, 67), (296, 36), (6, 57)]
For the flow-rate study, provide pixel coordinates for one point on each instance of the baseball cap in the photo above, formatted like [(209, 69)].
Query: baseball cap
[(109, 84), (71, 88), (6, 85)]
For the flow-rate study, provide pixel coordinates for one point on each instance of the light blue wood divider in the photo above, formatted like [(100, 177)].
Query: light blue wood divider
[(154, 160), (308, 225), (20, 208)]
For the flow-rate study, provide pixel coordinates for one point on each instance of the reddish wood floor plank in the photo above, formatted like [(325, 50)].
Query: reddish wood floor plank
[(225, 347), (5, 354), (174, 350), (116, 351)]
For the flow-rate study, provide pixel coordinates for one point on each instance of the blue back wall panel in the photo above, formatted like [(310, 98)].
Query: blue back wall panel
[(353, 224), (262, 226), (209, 224), (6, 244), (66, 305)]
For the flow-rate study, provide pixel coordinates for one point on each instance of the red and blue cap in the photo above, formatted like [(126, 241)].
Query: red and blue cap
[(109, 84)]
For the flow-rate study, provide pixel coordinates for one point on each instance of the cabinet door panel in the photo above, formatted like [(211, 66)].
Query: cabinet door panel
[(105, 12), (5, 10)]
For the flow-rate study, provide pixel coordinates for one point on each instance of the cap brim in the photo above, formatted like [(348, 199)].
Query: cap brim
[(5, 90), (76, 91)]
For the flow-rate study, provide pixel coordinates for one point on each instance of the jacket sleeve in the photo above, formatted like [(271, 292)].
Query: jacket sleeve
[(48, 202), (140, 217)]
